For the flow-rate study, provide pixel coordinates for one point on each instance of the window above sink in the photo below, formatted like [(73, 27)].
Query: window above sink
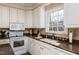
[(55, 21)]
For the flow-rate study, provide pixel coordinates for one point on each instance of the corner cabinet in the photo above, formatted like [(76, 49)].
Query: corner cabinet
[(39, 17), (71, 15)]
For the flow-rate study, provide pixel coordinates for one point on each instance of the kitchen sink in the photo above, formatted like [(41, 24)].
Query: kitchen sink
[(54, 42)]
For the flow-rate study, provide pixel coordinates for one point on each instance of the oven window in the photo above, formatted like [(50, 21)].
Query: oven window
[(18, 43)]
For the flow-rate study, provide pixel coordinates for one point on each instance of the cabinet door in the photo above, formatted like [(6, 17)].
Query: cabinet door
[(13, 15), (32, 51), (35, 18), (42, 17), (29, 44), (34, 47), (39, 17), (21, 16), (38, 49), (47, 51), (0, 16), (5, 17), (28, 19)]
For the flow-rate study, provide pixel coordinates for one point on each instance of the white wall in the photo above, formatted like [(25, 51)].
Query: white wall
[(71, 14)]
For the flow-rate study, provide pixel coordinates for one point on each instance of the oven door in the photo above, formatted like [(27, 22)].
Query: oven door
[(18, 43)]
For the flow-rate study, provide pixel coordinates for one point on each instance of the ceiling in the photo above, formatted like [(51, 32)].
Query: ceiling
[(23, 5)]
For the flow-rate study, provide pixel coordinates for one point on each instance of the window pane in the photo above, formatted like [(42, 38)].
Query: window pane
[(52, 15), (50, 28), (56, 13), (56, 18), (60, 28), (54, 28), (60, 23), (61, 12), (55, 24)]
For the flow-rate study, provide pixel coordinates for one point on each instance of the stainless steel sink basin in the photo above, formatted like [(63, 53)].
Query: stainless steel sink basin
[(54, 42)]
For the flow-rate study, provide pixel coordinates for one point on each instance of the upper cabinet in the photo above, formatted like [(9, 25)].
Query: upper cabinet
[(13, 15), (28, 19), (39, 17), (8, 14), (17, 15), (21, 16), (4, 17), (71, 15)]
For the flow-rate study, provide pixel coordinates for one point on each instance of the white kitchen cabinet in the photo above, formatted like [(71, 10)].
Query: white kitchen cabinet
[(35, 18), (0, 16), (21, 16), (40, 48), (4, 17), (17, 15), (8, 14), (13, 15), (71, 15), (31, 45), (34, 48), (39, 17), (28, 19), (47, 51)]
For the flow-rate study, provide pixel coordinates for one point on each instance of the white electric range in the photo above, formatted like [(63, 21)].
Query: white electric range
[(18, 42)]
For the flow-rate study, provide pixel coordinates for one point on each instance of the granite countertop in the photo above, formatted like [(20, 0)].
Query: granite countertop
[(5, 38), (74, 48)]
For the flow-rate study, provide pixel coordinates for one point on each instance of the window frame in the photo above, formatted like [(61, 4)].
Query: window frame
[(47, 22)]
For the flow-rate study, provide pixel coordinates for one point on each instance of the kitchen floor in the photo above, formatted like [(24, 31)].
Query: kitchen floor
[(6, 50)]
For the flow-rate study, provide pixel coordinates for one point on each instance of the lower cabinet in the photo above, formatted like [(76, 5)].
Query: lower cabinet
[(47, 51), (40, 48), (30, 47), (34, 48), (37, 49)]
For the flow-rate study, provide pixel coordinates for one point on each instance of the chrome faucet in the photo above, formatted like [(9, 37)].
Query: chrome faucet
[(53, 36)]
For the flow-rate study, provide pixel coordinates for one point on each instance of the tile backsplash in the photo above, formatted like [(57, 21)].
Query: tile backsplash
[(75, 33), (43, 32)]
